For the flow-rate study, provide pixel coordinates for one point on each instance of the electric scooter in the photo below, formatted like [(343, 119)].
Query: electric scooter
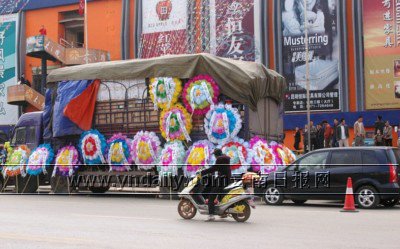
[(234, 202)]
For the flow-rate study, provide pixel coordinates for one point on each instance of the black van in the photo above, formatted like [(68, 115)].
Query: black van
[(323, 175)]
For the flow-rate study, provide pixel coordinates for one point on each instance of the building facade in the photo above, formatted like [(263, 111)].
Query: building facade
[(353, 55)]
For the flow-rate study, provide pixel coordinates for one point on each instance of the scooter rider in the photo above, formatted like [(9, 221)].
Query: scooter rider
[(219, 182)]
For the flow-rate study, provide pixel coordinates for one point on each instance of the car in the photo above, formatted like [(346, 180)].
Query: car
[(323, 175)]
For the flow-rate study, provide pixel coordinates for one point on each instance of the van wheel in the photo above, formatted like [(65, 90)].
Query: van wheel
[(390, 203), (367, 197), (273, 196)]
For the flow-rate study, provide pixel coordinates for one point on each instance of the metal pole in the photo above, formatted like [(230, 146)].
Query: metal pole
[(86, 35), (44, 76), (307, 75)]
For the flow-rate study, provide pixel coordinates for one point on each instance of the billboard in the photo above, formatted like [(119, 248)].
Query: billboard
[(164, 28), (8, 66), (324, 54), (234, 31), (381, 54)]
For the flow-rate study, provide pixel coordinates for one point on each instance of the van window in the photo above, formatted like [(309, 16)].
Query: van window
[(370, 157), (315, 161), (395, 156), (346, 157), (19, 136)]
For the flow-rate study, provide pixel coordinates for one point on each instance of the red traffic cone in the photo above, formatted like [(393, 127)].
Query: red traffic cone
[(349, 200)]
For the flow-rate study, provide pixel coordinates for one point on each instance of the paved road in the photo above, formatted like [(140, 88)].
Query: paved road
[(48, 221)]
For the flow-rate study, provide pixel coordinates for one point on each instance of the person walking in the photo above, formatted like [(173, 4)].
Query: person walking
[(342, 134), (327, 134), (334, 138), (320, 137), (379, 125), (387, 134), (359, 132), (313, 136), (297, 139), (378, 138), (305, 139)]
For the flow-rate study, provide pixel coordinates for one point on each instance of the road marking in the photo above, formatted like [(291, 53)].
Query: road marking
[(121, 217), (25, 237)]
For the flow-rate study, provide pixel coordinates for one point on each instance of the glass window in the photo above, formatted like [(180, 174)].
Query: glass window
[(315, 161), (31, 139), (19, 136), (370, 157), (346, 157)]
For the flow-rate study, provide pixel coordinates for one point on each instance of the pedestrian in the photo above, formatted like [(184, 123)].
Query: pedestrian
[(223, 169), (313, 136), (359, 132), (297, 139), (379, 125), (387, 134), (327, 134), (305, 139), (334, 138), (320, 136), (42, 30), (378, 138), (342, 134)]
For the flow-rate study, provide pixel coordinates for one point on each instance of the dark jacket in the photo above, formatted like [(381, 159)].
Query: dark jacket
[(379, 125), (297, 137), (222, 166), (339, 132)]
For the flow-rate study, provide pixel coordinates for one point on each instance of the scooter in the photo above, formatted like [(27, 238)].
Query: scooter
[(234, 202)]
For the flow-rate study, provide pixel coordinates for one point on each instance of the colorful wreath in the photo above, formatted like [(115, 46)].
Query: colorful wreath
[(279, 153), (222, 123), (118, 153), (289, 157), (93, 146), (164, 92), (237, 150), (67, 161), (16, 162), (145, 148), (176, 123), (40, 160), (171, 158), (263, 159), (198, 156), (199, 94)]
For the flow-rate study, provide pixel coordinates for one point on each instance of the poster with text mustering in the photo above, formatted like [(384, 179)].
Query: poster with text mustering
[(320, 19)]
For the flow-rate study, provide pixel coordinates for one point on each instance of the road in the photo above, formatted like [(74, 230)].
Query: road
[(79, 221)]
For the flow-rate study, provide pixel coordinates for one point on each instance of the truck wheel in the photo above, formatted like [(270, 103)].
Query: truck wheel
[(60, 185), (99, 190), (26, 185)]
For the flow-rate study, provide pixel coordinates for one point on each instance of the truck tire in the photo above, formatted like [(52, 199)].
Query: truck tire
[(26, 185), (99, 190), (60, 185)]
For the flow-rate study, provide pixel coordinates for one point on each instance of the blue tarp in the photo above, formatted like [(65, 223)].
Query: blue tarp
[(66, 91)]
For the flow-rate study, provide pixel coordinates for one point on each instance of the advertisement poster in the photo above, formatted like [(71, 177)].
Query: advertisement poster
[(324, 54), (382, 54), (8, 66), (233, 29), (164, 29)]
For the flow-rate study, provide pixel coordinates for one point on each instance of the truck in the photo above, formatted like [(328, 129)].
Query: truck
[(123, 105)]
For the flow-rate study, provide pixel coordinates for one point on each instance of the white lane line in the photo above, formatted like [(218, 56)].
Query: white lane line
[(120, 217)]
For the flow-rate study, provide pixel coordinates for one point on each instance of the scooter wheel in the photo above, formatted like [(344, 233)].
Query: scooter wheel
[(186, 209), (243, 217)]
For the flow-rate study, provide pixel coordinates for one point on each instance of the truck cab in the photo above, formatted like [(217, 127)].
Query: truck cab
[(28, 130)]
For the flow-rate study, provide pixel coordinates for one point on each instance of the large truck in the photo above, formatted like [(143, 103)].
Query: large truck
[(123, 105)]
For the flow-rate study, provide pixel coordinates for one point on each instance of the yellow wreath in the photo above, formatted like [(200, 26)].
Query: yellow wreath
[(175, 129), (164, 96)]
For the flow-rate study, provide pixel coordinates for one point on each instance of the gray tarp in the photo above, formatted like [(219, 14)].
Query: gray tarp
[(245, 82)]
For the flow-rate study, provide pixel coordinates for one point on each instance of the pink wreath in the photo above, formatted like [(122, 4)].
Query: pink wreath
[(210, 82)]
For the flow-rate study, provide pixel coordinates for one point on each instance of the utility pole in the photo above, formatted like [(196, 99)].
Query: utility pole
[(86, 36), (307, 75)]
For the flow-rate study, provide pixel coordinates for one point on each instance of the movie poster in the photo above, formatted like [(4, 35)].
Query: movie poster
[(320, 18), (8, 66), (234, 31), (382, 53), (164, 28)]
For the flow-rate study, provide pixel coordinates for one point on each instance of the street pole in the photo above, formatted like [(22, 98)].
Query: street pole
[(86, 36), (307, 76)]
